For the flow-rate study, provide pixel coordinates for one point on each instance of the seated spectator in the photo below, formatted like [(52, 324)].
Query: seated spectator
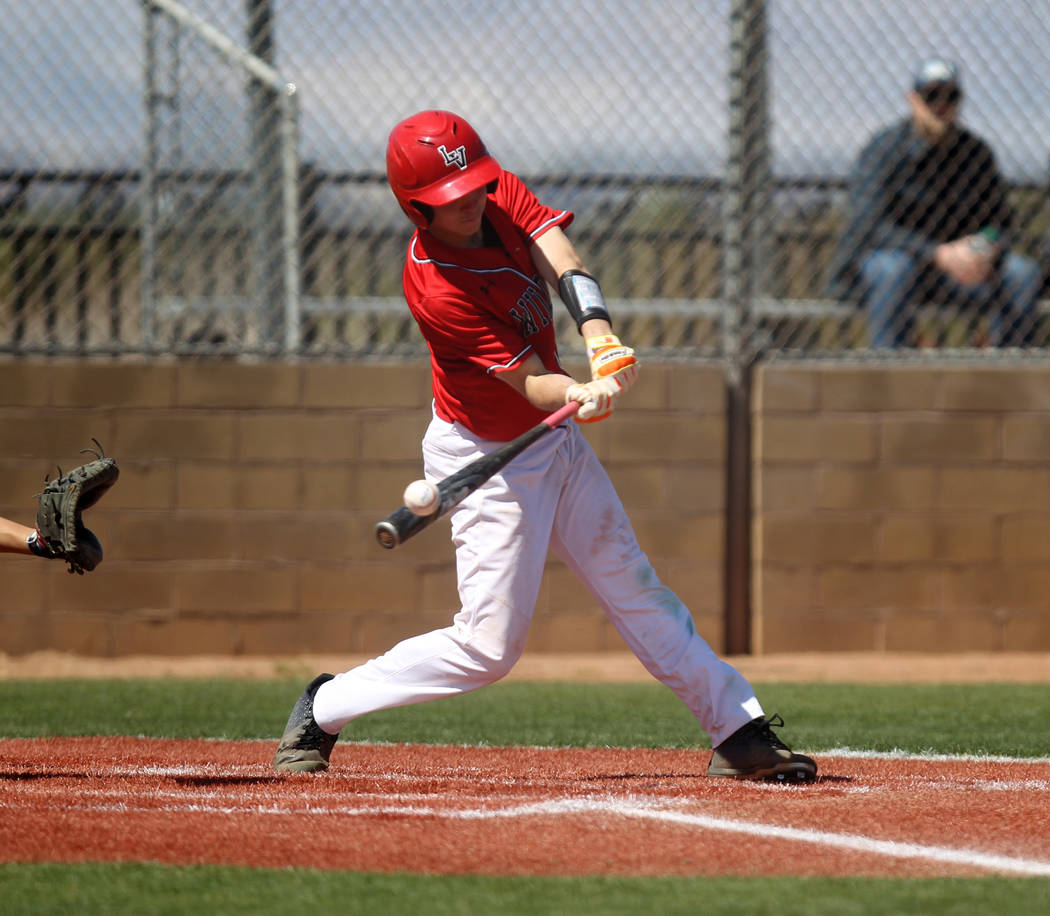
[(929, 221)]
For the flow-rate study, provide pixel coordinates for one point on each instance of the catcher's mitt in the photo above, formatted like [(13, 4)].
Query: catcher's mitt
[(58, 523)]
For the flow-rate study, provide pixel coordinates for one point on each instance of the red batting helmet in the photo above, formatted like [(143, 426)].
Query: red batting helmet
[(434, 158)]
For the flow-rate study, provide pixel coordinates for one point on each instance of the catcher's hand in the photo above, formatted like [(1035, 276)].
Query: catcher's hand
[(59, 528)]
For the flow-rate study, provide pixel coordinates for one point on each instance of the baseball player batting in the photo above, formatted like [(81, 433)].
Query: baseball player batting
[(476, 280)]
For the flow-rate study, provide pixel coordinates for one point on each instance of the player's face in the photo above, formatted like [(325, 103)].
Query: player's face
[(459, 223)]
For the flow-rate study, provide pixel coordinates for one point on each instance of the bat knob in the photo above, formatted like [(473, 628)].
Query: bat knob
[(387, 535)]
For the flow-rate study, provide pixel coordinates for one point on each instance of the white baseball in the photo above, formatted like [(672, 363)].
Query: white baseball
[(422, 497)]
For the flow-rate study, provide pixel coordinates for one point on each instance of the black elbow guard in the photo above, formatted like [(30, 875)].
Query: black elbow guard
[(582, 297)]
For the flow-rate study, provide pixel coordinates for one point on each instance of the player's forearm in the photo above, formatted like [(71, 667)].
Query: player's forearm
[(547, 392), (543, 389), (553, 254), (13, 537), (595, 327), (558, 261)]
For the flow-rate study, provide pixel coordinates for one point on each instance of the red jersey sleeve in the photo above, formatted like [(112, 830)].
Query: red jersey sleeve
[(525, 210)]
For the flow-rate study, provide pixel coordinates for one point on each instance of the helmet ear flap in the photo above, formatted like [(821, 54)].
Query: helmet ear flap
[(426, 211)]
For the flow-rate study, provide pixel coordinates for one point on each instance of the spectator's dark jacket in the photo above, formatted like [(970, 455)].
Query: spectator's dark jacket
[(906, 194)]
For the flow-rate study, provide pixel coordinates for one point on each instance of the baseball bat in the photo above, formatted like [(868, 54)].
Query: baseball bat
[(402, 524)]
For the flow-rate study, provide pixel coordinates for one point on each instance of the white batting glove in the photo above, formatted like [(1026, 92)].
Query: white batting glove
[(610, 358), (596, 399)]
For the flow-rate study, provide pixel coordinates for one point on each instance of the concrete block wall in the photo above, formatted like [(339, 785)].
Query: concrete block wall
[(902, 507), (243, 519), (897, 507)]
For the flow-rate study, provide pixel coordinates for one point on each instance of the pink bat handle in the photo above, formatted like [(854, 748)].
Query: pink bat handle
[(562, 413)]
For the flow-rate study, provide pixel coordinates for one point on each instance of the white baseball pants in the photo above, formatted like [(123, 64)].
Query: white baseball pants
[(555, 494)]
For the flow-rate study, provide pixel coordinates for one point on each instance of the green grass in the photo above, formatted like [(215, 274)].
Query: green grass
[(972, 718), (946, 718), (147, 890)]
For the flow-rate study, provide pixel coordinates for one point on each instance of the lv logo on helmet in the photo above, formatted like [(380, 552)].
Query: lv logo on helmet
[(458, 156)]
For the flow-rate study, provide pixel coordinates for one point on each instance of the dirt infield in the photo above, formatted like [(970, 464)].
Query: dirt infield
[(870, 667), (517, 811), (524, 811)]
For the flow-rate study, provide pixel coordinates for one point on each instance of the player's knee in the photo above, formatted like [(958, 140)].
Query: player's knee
[(498, 663), (495, 641), (495, 657)]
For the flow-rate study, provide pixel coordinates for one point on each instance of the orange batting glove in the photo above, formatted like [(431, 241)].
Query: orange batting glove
[(611, 359)]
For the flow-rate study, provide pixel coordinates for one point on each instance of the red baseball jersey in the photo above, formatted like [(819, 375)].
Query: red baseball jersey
[(484, 310)]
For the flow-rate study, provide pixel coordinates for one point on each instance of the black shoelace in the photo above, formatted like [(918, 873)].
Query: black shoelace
[(765, 729)]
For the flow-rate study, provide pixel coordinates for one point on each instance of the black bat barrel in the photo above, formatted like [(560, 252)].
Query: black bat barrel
[(400, 525)]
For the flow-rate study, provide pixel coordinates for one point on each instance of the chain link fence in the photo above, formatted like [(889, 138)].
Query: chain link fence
[(206, 176)]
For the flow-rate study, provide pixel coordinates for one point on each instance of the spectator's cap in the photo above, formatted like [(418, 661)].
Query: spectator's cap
[(937, 71)]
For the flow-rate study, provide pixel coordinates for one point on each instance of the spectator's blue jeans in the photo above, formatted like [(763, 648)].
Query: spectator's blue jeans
[(893, 283)]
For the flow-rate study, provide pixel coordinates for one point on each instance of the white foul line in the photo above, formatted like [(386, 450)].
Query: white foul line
[(855, 843), (968, 857), (657, 810)]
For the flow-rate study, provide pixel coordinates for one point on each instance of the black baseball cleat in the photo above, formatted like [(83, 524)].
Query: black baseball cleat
[(305, 747), (754, 752)]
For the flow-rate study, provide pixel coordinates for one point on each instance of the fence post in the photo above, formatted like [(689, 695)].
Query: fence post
[(744, 214), (147, 191), (290, 256), (266, 115)]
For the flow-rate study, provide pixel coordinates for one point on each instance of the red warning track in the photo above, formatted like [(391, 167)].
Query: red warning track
[(522, 811)]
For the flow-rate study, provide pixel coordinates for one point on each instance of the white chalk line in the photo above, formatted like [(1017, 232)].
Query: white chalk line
[(857, 843), (346, 747), (969, 858), (924, 757), (652, 808), (236, 793), (450, 779)]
